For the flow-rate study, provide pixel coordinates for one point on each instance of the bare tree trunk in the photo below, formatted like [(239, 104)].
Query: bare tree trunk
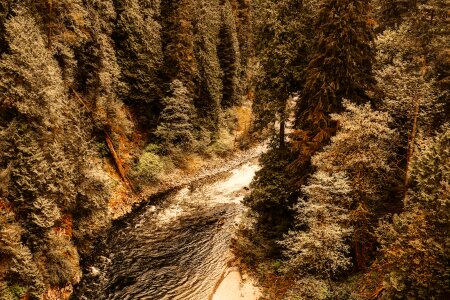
[(117, 161)]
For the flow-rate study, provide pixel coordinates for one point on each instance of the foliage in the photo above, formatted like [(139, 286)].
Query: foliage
[(322, 249), (45, 141), (415, 243), (340, 65), (175, 126), (149, 167), (270, 203), (283, 41), (229, 57), (139, 51)]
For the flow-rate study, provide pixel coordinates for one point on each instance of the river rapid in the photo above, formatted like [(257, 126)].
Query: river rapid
[(177, 248)]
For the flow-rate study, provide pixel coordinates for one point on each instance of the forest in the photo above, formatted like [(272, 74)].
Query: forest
[(100, 100)]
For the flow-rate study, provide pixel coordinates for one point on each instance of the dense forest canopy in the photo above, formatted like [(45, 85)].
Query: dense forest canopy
[(100, 98), (354, 204), (91, 86)]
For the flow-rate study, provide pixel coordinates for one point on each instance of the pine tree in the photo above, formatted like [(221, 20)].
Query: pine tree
[(229, 57), (282, 47), (415, 251), (139, 50), (270, 205), (175, 127), (363, 150), (180, 62), (210, 86), (45, 141), (340, 66), (322, 249), (99, 74)]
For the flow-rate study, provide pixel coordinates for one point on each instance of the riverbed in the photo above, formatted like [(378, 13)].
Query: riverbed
[(177, 248)]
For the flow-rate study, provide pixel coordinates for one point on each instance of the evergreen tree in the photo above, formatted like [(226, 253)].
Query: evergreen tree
[(340, 66), (347, 191), (270, 205), (416, 256), (210, 86), (139, 50), (175, 127), (180, 62), (99, 74), (229, 57), (363, 148), (45, 141), (322, 249), (282, 47)]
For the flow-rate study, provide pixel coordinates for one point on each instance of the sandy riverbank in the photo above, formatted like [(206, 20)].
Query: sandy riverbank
[(236, 286)]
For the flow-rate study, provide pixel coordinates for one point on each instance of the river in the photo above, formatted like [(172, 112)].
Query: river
[(177, 248)]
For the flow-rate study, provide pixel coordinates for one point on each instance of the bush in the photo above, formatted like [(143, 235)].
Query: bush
[(149, 167)]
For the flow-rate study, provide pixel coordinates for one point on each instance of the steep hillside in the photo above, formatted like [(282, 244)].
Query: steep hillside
[(99, 100)]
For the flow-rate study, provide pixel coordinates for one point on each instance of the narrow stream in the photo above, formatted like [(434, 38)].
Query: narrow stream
[(175, 250)]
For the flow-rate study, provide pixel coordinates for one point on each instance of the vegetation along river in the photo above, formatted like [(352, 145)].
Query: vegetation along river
[(177, 248)]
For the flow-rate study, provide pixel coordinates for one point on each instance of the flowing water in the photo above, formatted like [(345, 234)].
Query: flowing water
[(174, 250)]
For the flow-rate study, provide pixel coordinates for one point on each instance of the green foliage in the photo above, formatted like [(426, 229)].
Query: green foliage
[(415, 243), (180, 61), (340, 64), (98, 76), (283, 42), (139, 49), (175, 127), (45, 141), (206, 42), (17, 291), (229, 57), (149, 167), (270, 203), (61, 260), (223, 145)]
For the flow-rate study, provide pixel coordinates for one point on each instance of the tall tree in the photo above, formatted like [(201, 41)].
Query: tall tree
[(98, 78), (139, 50), (229, 56), (282, 47), (45, 143), (178, 42), (175, 128), (210, 86), (416, 256), (340, 66)]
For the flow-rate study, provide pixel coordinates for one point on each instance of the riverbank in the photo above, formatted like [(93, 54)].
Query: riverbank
[(175, 246), (235, 284), (123, 202)]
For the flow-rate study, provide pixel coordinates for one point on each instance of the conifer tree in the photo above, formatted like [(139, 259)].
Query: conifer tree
[(347, 190), (99, 74), (282, 47), (139, 50), (229, 57), (210, 86), (415, 251), (180, 62), (322, 249), (340, 66), (270, 205), (175, 127), (44, 140)]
